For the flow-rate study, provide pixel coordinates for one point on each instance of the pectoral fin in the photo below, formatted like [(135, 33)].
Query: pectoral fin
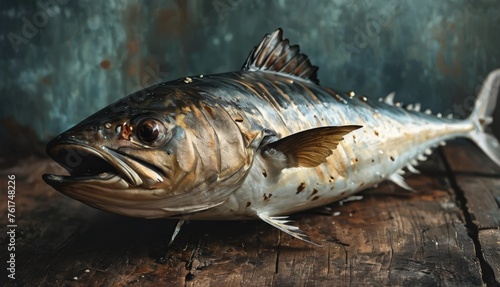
[(308, 148)]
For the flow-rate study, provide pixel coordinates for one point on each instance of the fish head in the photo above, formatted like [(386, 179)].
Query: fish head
[(159, 157)]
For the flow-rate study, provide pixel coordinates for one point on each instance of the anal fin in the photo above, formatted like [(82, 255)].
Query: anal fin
[(176, 231), (281, 222)]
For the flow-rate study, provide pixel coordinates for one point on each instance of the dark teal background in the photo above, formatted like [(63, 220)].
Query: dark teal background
[(61, 61)]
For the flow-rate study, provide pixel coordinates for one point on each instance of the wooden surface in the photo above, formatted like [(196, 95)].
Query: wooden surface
[(447, 233)]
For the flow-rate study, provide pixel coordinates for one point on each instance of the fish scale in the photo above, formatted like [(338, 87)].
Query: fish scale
[(263, 143)]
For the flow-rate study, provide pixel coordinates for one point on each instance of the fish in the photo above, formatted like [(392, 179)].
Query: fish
[(263, 142)]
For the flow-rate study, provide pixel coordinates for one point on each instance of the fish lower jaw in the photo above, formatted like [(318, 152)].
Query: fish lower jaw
[(102, 180), (103, 185)]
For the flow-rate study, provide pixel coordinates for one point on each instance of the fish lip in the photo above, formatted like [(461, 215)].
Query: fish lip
[(59, 180), (111, 165)]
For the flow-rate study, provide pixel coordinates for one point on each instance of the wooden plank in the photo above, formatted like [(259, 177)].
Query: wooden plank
[(483, 199), (465, 157), (483, 204), (479, 182), (390, 237), (490, 245)]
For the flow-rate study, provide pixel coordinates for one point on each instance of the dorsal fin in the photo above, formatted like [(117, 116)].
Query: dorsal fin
[(274, 54)]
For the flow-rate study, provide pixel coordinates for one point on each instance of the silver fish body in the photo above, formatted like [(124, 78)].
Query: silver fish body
[(263, 142)]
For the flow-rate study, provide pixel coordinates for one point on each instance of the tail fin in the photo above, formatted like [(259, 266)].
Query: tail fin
[(482, 116)]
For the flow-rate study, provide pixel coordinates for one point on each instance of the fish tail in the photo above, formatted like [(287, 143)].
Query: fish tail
[(482, 117)]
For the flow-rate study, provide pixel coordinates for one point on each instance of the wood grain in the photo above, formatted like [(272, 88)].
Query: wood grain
[(478, 186)]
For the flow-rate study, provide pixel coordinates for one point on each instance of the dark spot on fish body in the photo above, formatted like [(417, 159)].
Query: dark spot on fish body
[(373, 160), (267, 197), (375, 132), (248, 204), (392, 158), (301, 187), (315, 198), (331, 179), (318, 120), (264, 173), (313, 193)]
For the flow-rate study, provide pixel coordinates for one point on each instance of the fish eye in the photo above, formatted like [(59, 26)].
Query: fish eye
[(151, 132)]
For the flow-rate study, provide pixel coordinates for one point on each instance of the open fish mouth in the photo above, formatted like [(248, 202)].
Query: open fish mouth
[(101, 166)]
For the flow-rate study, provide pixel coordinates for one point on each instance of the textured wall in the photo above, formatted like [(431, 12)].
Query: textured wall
[(61, 60)]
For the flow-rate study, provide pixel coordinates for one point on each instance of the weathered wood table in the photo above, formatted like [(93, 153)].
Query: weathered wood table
[(447, 233)]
